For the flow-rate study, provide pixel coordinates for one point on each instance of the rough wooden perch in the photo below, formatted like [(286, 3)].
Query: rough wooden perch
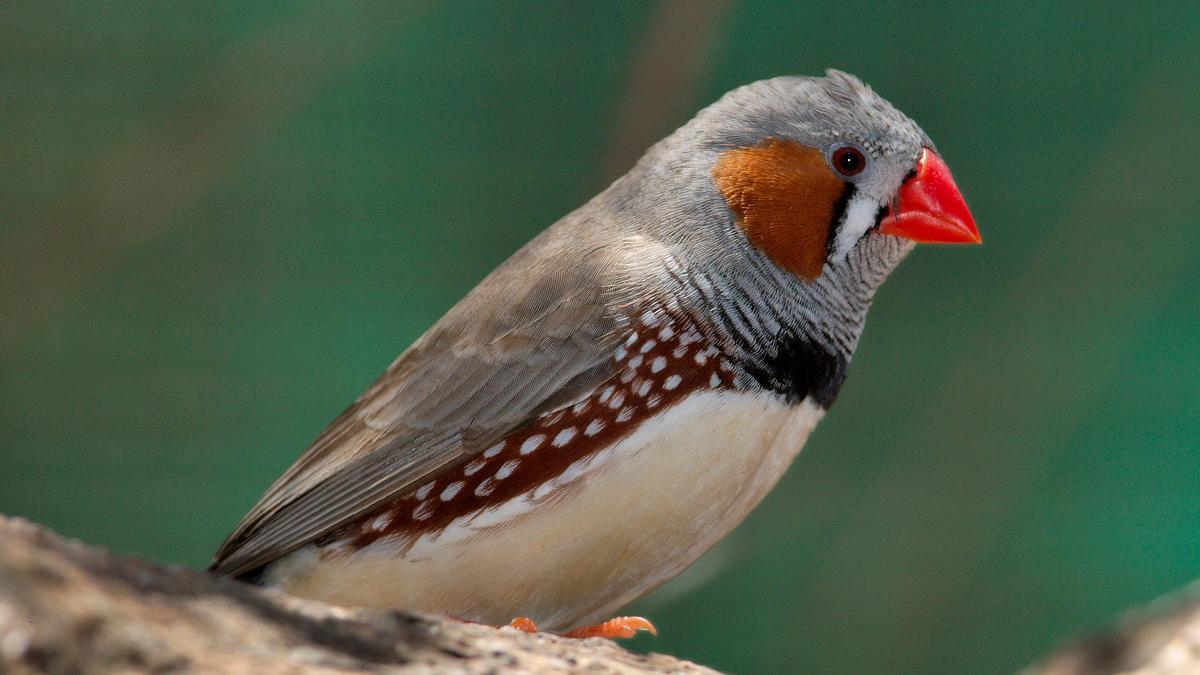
[(69, 608)]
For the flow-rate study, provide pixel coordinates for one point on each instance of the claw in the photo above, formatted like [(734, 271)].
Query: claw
[(617, 628), (620, 627)]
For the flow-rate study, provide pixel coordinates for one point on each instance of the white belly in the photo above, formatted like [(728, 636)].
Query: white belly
[(644, 510)]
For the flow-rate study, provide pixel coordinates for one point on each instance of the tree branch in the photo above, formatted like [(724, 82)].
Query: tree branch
[(69, 608), (66, 607)]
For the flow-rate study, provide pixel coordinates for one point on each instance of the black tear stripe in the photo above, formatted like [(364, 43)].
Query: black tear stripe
[(799, 369), (879, 216), (838, 215)]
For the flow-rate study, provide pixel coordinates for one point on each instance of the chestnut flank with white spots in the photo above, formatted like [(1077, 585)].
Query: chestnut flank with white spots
[(663, 370)]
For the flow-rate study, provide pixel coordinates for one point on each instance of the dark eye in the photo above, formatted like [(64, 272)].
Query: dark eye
[(848, 160)]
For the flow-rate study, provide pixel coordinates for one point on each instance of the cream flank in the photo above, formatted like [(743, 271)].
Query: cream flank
[(623, 521)]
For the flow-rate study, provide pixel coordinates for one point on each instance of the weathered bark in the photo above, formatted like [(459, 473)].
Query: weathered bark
[(69, 608)]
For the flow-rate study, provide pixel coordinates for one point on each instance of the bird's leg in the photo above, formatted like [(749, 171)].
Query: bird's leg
[(619, 627)]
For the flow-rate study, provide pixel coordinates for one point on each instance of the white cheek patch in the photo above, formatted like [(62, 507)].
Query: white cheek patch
[(858, 218)]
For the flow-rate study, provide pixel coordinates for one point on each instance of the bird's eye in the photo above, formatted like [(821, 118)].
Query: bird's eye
[(848, 160)]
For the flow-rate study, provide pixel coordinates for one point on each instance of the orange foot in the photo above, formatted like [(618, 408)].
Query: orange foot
[(620, 627)]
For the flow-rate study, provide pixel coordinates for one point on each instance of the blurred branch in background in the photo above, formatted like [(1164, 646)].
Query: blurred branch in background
[(171, 159), (664, 76), (1159, 639)]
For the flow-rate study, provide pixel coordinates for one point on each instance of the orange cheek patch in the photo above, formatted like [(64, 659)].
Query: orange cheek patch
[(784, 196)]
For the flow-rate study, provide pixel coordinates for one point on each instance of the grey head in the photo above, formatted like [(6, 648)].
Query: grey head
[(735, 235)]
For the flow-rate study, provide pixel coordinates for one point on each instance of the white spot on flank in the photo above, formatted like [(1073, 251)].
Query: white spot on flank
[(532, 443), (645, 388), (564, 437), (701, 358), (688, 440), (666, 333), (625, 415), (689, 337), (580, 407), (506, 470), (492, 451), (648, 345), (422, 512), (608, 391), (543, 490), (635, 361), (485, 488), (617, 400), (424, 490), (671, 382), (594, 427), (649, 320), (714, 380), (621, 353), (381, 522), (653, 401), (658, 364), (631, 339), (474, 467), (451, 490)]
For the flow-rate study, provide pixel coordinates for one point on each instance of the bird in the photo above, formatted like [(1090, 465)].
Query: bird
[(619, 394)]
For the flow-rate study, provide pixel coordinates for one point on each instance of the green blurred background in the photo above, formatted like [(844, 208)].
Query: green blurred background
[(220, 221)]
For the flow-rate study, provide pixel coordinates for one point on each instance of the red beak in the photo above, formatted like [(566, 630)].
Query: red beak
[(929, 209)]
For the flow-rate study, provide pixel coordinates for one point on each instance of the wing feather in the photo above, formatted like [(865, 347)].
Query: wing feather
[(497, 359)]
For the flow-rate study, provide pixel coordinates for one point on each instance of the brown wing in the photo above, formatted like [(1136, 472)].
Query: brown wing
[(509, 350)]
